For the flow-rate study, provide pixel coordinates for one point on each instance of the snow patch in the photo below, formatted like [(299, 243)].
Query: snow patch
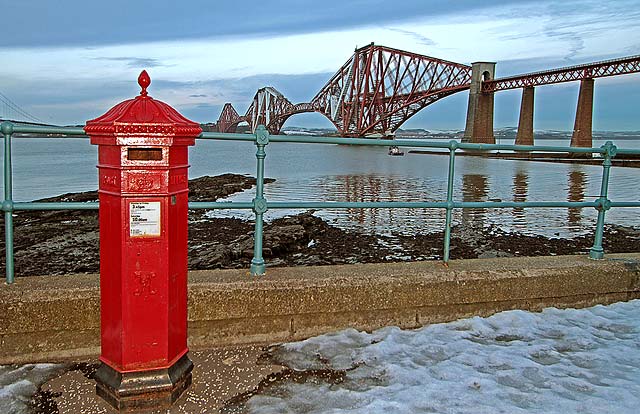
[(555, 361), (18, 384)]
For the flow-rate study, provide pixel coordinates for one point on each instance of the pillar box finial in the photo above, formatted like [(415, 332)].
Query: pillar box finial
[(144, 81), (143, 187)]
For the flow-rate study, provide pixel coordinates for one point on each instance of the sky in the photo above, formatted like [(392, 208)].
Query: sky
[(67, 62)]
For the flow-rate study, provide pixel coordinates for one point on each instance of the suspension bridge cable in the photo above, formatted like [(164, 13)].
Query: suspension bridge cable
[(15, 108)]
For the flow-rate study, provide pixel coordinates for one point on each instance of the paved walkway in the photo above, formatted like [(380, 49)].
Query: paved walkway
[(218, 375)]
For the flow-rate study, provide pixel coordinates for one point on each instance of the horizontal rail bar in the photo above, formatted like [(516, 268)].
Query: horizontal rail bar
[(48, 130), (227, 137), (277, 205), (204, 205), (433, 204), (530, 148), (627, 151), (62, 205), (313, 139), (625, 204), (354, 204), (525, 204)]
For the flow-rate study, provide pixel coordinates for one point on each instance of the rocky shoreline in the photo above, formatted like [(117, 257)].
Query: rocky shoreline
[(64, 242)]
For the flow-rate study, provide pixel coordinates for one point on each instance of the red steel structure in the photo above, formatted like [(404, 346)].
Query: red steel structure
[(270, 108), (614, 67), (373, 93), (379, 88), (229, 119)]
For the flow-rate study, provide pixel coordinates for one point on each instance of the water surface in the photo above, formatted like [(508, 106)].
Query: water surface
[(317, 172)]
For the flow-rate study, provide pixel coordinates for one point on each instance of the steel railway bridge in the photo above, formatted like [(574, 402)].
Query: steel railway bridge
[(379, 88)]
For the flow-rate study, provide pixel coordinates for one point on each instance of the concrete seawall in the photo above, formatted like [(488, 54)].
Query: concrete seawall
[(53, 318)]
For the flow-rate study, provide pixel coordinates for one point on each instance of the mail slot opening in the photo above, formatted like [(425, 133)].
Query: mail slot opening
[(144, 154)]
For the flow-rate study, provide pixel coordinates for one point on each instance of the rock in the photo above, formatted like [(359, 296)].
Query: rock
[(213, 188)]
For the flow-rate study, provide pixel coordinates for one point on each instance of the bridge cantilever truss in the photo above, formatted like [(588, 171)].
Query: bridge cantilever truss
[(271, 108), (374, 92), (379, 88), (229, 119)]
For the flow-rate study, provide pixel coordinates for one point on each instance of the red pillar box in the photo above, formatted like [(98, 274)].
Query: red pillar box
[(142, 161)]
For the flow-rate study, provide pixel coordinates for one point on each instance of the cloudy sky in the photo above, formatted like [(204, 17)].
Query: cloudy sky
[(69, 61)]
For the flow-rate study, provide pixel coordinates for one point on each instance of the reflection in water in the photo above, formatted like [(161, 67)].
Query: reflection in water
[(520, 190), (577, 185), (364, 188), (520, 184), (474, 188), (374, 188)]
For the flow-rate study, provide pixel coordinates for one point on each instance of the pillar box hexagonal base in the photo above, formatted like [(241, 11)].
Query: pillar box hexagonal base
[(143, 390)]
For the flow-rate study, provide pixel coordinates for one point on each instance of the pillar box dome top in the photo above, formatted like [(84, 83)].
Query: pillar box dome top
[(142, 116)]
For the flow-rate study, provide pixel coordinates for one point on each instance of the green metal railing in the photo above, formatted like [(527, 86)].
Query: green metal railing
[(260, 205)]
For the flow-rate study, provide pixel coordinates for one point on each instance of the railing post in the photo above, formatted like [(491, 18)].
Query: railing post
[(259, 203), (597, 252), (7, 203), (447, 229)]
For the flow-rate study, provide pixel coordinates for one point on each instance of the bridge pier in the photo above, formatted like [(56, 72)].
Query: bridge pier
[(525, 123), (479, 126), (582, 134)]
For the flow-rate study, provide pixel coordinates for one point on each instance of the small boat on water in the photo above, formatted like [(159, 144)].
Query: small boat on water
[(394, 150)]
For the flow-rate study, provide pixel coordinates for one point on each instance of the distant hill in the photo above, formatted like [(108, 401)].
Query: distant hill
[(504, 132)]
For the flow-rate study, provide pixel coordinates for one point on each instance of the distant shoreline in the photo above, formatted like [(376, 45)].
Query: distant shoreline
[(437, 137)]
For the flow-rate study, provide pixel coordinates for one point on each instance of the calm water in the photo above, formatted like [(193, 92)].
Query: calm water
[(48, 167)]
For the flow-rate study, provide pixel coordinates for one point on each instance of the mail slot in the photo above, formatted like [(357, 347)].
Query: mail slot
[(144, 154)]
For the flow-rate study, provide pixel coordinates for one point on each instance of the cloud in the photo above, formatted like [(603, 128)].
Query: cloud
[(134, 62), (580, 26), (633, 49), (92, 23), (238, 91), (417, 36)]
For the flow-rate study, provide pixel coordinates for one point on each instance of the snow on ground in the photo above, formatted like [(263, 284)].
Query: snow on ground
[(556, 361), (18, 384)]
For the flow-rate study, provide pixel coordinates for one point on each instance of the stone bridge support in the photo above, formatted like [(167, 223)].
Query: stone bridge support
[(479, 127), (525, 123), (582, 136)]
